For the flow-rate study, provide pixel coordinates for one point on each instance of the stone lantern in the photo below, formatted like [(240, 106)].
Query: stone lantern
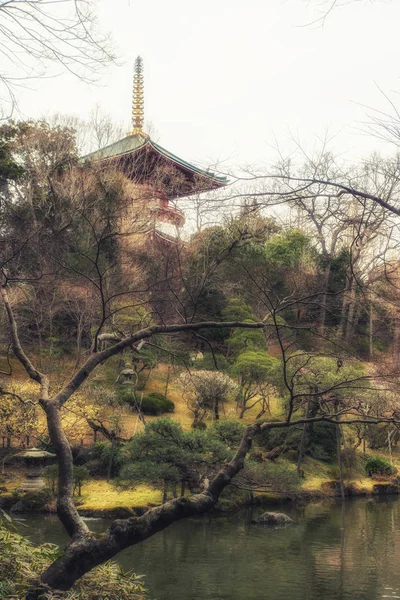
[(35, 460), (127, 376)]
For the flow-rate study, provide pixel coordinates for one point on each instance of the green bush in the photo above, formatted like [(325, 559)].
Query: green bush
[(230, 432), (153, 403), (320, 441), (36, 500), (102, 458), (159, 396), (378, 466), (156, 404), (289, 438), (81, 475)]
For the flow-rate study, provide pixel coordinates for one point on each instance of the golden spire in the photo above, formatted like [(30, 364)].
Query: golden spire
[(138, 98)]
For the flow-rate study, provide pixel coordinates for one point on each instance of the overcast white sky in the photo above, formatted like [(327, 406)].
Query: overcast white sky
[(225, 79)]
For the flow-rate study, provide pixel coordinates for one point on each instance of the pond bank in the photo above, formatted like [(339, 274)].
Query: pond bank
[(40, 502)]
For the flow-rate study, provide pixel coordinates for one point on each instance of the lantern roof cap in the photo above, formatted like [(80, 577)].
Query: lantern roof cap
[(35, 453)]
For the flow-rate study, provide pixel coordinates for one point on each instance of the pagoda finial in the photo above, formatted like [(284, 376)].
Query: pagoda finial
[(138, 98)]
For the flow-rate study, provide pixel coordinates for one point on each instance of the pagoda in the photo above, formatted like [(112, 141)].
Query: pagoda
[(162, 176)]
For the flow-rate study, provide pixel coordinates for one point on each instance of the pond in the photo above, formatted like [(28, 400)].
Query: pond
[(334, 551)]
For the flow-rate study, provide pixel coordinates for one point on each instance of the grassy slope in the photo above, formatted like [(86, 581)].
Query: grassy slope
[(99, 494)]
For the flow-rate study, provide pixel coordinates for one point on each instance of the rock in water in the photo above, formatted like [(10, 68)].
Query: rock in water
[(272, 518)]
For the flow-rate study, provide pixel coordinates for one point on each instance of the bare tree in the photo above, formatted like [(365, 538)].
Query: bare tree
[(43, 37), (102, 130)]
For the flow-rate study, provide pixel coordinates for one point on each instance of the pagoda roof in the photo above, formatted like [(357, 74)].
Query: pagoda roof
[(138, 156)]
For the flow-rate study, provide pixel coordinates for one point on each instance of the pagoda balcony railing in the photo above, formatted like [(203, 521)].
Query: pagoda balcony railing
[(170, 214)]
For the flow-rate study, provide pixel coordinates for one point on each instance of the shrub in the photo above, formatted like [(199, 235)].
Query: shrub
[(81, 475), (156, 404), (280, 476), (201, 426), (377, 435), (288, 438), (95, 468), (21, 564), (378, 466), (36, 500), (320, 442), (81, 455), (153, 403), (50, 474), (101, 463), (205, 391), (142, 378), (161, 397), (230, 432), (207, 363)]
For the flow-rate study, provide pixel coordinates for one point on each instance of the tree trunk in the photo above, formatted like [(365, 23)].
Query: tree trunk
[(371, 332), (167, 381), (242, 411), (165, 493), (396, 338), (345, 304), (66, 509), (350, 313), (339, 456), (356, 318), (324, 298), (303, 440), (110, 462), (216, 410)]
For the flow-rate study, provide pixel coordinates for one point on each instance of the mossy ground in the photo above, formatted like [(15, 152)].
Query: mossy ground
[(100, 495)]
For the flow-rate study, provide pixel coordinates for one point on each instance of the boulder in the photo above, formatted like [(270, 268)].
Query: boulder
[(272, 518), (32, 501), (385, 488), (6, 502)]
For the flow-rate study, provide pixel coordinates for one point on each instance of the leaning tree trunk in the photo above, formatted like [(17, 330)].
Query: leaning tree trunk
[(87, 550)]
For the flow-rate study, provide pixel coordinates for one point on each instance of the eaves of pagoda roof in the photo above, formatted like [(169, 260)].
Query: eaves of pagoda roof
[(133, 144)]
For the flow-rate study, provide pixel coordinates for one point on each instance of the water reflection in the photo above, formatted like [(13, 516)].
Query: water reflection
[(334, 552)]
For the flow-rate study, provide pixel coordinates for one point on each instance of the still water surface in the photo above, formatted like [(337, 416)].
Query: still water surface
[(334, 552)]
